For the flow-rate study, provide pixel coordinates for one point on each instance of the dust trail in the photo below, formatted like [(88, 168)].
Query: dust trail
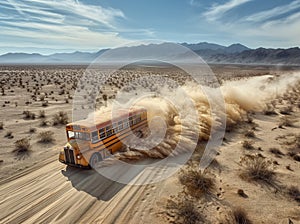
[(240, 97)]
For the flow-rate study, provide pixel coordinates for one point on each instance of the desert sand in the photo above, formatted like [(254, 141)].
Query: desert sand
[(263, 121)]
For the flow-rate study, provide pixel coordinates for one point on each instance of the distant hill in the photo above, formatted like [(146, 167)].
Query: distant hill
[(210, 52)]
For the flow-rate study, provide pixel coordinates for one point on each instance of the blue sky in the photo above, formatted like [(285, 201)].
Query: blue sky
[(48, 26)]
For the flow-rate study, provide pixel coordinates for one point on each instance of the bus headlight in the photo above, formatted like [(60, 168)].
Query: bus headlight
[(79, 156)]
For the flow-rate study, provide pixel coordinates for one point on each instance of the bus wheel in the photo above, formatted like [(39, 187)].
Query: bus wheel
[(95, 158)]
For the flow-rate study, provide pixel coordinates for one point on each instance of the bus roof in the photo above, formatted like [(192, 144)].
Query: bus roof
[(98, 120)]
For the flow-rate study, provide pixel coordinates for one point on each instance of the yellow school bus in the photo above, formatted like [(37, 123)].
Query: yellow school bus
[(92, 140)]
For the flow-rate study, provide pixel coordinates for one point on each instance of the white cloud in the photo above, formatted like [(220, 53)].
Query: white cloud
[(277, 11), (59, 24), (218, 10)]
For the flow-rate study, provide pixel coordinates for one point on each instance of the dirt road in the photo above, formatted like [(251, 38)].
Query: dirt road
[(55, 193)]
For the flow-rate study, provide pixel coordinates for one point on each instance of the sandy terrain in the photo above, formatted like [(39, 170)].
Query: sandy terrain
[(36, 188)]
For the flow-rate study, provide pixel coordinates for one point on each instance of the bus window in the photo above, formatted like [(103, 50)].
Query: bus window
[(131, 121), (120, 125), (95, 136), (109, 130), (102, 133), (82, 136), (115, 128), (125, 124), (134, 120)]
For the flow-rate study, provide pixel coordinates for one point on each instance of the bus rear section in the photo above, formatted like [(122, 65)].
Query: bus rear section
[(91, 142)]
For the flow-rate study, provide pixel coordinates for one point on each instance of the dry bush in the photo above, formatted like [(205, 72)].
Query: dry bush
[(45, 103), (28, 115), (197, 184), (286, 121), (185, 211), (247, 144), (286, 110), (46, 137), (270, 110), (296, 158), (294, 193), (60, 118), (8, 135), (43, 123), (250, 134), (240, 216), (276, 152), (32, 130), (22, 147), (42, 114), (257, 169)]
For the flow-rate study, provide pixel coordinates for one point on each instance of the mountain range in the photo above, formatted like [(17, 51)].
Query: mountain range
[(210, 52)]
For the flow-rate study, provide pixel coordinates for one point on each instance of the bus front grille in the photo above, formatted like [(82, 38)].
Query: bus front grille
[(69, 154)]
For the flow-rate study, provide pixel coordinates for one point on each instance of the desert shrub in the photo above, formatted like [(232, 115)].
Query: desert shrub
[(22, 146), (8, 135), (250, 134), (42, 114), (185, 211), (286, 110), (45, 103), (296, 158), (240, 216), (247, 144), (1, 125), (43, 123), (42, 97), (249, 118), (32, 130), (28, 115), (276, 152), (46, 137), (197, 184), (257, 169), (269, 110), (286, 121), (60, 118), (294, 193)]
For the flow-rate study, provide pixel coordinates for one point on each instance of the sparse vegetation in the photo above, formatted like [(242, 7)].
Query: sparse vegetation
[(42, 114), (43, 123), (294, 193), (276, 152), (250, 134), (60, 118), (257, 169), (46, 137), (296, 158), (22, 147), (9, 135), (28, 115), (247, 144), (240, 216), (286, 121), (185, 211), (32, 130), (197, 184)]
